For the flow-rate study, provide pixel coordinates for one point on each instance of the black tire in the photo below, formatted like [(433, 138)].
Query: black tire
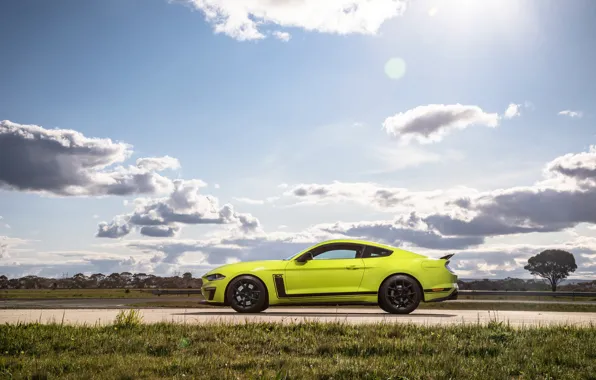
[(400, 294), (247, 294), (382, 306)]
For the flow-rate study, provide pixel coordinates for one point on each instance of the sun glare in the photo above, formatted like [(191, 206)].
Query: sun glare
[(467, 16)]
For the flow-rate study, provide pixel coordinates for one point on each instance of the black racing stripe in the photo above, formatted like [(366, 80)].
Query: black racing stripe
[(280, 289)]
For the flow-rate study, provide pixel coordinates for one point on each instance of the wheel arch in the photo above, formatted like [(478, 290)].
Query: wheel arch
[(401, 274), (227, 303)]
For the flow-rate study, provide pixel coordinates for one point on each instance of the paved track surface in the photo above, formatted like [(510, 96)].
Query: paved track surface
[(101, 303), (293, 315)]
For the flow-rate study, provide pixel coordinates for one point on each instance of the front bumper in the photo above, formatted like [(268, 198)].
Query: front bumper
[(208, 292)]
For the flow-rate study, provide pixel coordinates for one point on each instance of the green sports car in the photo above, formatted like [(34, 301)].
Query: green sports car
[(334, 272)]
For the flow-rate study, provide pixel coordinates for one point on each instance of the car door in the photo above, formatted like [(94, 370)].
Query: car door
[(377, 262), (334, 268)]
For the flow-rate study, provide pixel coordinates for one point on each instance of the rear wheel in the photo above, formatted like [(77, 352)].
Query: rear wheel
[(247, 294), (400, 294)]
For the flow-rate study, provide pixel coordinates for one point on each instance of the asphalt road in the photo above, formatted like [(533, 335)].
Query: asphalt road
[(294, 315), (97, 303)]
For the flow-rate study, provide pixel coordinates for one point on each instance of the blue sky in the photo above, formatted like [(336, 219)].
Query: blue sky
[(246, 115)]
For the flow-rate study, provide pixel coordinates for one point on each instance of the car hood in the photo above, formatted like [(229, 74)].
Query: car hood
[(246, 266)]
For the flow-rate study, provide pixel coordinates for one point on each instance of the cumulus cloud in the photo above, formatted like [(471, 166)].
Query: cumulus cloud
[(566, 199), (247, 20), (117, 228), (428, 124), (579, 167), (283, 36), (464, 217), (404, 232), (162, 217), (67, 163), (158, 163), (159, 231), (572, 114), (512, 111), (383, 198)]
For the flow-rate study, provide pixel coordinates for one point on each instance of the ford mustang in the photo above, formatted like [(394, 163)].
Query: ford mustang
[(334, 272)]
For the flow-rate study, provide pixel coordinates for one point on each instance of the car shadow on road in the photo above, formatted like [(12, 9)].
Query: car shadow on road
[(311, 314)]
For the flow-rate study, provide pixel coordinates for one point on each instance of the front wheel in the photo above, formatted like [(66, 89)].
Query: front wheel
[(400, 294), (246, 294)]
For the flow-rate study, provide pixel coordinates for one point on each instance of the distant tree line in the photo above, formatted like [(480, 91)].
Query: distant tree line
[(524, 285), (123, 280)]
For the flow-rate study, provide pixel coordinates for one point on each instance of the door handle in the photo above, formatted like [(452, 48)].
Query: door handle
[(352, 267)]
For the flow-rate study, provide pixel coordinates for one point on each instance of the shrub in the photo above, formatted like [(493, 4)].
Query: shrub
[(128, 319)]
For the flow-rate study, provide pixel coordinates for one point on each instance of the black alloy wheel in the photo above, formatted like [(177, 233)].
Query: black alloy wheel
[(247, 294), (400, 294)]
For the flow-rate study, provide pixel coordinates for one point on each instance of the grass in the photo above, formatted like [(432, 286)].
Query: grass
[(296, 351), (82, 293), (512, 306), (128, 319)]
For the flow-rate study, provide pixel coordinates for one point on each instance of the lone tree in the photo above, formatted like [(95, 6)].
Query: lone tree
[(553, 264)]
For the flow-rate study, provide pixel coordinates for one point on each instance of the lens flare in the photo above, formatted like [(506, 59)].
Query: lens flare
[(395, 68)]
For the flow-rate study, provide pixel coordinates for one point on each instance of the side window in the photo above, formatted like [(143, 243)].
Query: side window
[(337, 254), (337, 251), (377, 252)]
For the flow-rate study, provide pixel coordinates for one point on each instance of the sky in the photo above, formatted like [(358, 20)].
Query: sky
[(165, 136)]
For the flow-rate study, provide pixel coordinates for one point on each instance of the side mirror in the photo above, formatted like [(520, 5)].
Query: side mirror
[(304, 258)]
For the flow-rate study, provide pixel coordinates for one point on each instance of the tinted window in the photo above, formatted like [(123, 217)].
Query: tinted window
[(337, 254), (337, 251), (377, 252)]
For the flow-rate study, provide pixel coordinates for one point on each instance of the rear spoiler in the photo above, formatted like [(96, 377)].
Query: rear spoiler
[(447, 257)]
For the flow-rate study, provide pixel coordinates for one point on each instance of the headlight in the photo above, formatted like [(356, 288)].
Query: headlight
[(215, 276)]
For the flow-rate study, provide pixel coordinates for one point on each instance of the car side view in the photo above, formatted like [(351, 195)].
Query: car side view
[(338, 272)]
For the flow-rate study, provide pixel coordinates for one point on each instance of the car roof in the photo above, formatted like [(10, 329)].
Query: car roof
[(355, 241)]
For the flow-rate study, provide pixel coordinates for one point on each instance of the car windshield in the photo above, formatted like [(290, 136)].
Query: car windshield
[(289, 257)]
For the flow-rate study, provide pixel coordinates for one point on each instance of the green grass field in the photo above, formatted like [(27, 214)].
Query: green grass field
[(298, 351)]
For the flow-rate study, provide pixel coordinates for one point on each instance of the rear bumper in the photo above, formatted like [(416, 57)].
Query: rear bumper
[(452, 296)]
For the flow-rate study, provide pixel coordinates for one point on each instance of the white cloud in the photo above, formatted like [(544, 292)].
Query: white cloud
[(428, 124), (249, 200), (383, 198), (564, 199), (117, 228), (158, 163), (572, 114), (283, 36), (8, 244), (162, 217), (66, 163), (512, 111), (249, 19)]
